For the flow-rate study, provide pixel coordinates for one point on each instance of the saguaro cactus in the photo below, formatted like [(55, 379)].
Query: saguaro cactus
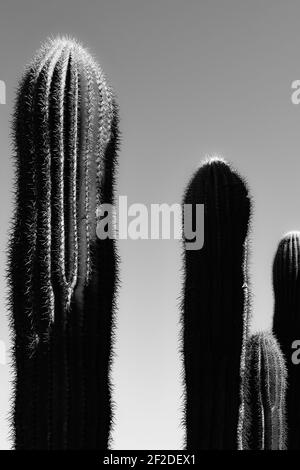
[(286, 323), (265, 394), (62, 277), (216, 309)]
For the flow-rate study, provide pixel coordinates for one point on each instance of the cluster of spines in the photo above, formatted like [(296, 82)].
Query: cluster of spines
[(66, 140), (265, 426)]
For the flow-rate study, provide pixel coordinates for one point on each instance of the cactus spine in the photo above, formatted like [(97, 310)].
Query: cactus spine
[(216, 310), (265, 387), (286, 323), (62, 277)]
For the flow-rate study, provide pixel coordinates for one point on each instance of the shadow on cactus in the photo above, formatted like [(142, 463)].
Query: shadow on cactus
[(62, 277), (265, 395), (215, 309), (286, 323)]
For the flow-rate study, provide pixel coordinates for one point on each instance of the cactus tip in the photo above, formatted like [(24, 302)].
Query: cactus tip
[(291, 234)]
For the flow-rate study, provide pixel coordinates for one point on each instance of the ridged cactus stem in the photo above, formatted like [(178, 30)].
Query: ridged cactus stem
[(265, 404), (216, 308), (286, 323), (62, 277)]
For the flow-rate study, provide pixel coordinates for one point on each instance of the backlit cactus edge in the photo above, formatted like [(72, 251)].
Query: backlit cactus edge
[(62, 277)]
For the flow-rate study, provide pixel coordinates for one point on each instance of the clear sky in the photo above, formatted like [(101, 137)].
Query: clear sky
[(192, 77)]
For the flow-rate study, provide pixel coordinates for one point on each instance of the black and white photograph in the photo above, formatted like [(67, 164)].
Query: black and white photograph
[(149, 229)]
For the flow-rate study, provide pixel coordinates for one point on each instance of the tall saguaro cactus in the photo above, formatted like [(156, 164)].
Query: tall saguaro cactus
[(286, 323), (216, 309), (62, 277), (265, 394)]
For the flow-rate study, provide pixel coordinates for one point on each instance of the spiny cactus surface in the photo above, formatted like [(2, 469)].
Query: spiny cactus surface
[(286, 323), (265, 390), (62, 277), (216, 309)]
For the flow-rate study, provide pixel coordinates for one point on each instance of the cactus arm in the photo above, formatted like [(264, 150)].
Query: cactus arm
[(214, 310), (286, 323), (265, 400), (63, 297)]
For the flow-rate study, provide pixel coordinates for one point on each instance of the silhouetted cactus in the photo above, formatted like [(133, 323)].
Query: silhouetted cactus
[(216, 310), (265, 394), (286, 323), (62, 277)]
